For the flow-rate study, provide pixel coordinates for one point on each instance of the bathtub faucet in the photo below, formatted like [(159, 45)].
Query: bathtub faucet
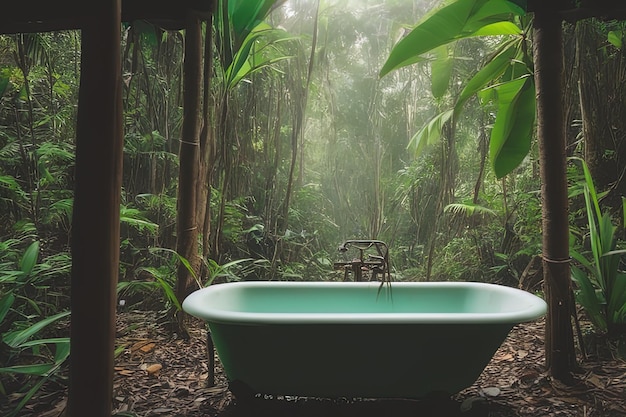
[(375, 263)]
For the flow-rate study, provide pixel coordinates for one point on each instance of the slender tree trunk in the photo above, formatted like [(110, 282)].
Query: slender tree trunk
[(298, 126), (30, 159), (548, 57), (96, 214), (223, 156), (272, 143), (483, 150), (207, 146), (187, 222), (449, 167), (602, 75)]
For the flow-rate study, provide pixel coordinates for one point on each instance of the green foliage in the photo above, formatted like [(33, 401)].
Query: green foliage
[(45, 356), (154, 279), (601, 284), (457, 261), (512, 132), (468, 209), (257, 52), (244, 15), (507, 72), (460, 19), (25, 285), (616, 38), (237, 270), (431, 132), (244, 39)]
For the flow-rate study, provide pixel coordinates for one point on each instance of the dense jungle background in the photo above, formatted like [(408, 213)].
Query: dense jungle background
[(306, 146)]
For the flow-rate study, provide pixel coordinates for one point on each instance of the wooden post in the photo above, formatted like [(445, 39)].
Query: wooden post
[(189, 154), (548, 58), (96, 213)]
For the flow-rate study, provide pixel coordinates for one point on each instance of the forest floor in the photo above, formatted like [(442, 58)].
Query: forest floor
[(159, 374)]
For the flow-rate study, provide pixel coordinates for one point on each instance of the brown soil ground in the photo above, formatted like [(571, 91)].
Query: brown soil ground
[(158, 374)]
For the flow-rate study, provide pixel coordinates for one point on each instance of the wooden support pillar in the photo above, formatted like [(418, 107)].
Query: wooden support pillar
[(189, 155), (96, 213), (548, 59)]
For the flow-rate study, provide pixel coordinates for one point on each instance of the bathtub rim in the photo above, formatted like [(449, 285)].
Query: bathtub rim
[(195, 304)]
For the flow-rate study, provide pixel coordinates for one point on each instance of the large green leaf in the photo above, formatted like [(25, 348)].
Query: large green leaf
[(5, 304), (38, 369), (586, 297), (243, 53), (430, 133), (614, 37), (441, 69), (603, 273), (490, 72), (245, 15), (252, 56), (617, 300), (29, 259), (460, 19), (15, 339), (512, 131), (593, 195), (499, 28)]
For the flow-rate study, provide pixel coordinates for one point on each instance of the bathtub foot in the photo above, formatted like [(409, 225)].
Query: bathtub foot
[(242, 391), (210, 348), (474, 406)]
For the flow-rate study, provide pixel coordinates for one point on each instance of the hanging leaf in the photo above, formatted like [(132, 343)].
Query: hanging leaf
[(500, 28), (615, 37), (468, 209), (441, 70), (492, 70), (512, 131), (430, 133), (147, 33)]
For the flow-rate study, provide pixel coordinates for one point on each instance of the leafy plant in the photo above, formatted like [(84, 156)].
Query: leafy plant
[(506, 76), (162, 278), (46, 355), (234, 270), (31, 299), (601, 284)]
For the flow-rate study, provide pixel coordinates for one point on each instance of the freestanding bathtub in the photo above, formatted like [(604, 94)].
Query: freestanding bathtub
[(358, 339)]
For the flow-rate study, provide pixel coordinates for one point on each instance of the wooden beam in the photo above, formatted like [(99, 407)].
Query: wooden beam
[(574, 10), (29, 16), (574, 15), (96, 214)]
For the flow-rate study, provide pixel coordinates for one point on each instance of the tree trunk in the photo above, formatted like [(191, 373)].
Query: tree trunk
[(548, 57), (602, 76), (96, 214), (187, 223), (207, 146), (298, 126)]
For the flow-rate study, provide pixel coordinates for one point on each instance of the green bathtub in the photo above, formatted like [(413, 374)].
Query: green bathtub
[(358, 339)]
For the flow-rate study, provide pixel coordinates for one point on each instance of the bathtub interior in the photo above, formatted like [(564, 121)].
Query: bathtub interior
[(310, 301)]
